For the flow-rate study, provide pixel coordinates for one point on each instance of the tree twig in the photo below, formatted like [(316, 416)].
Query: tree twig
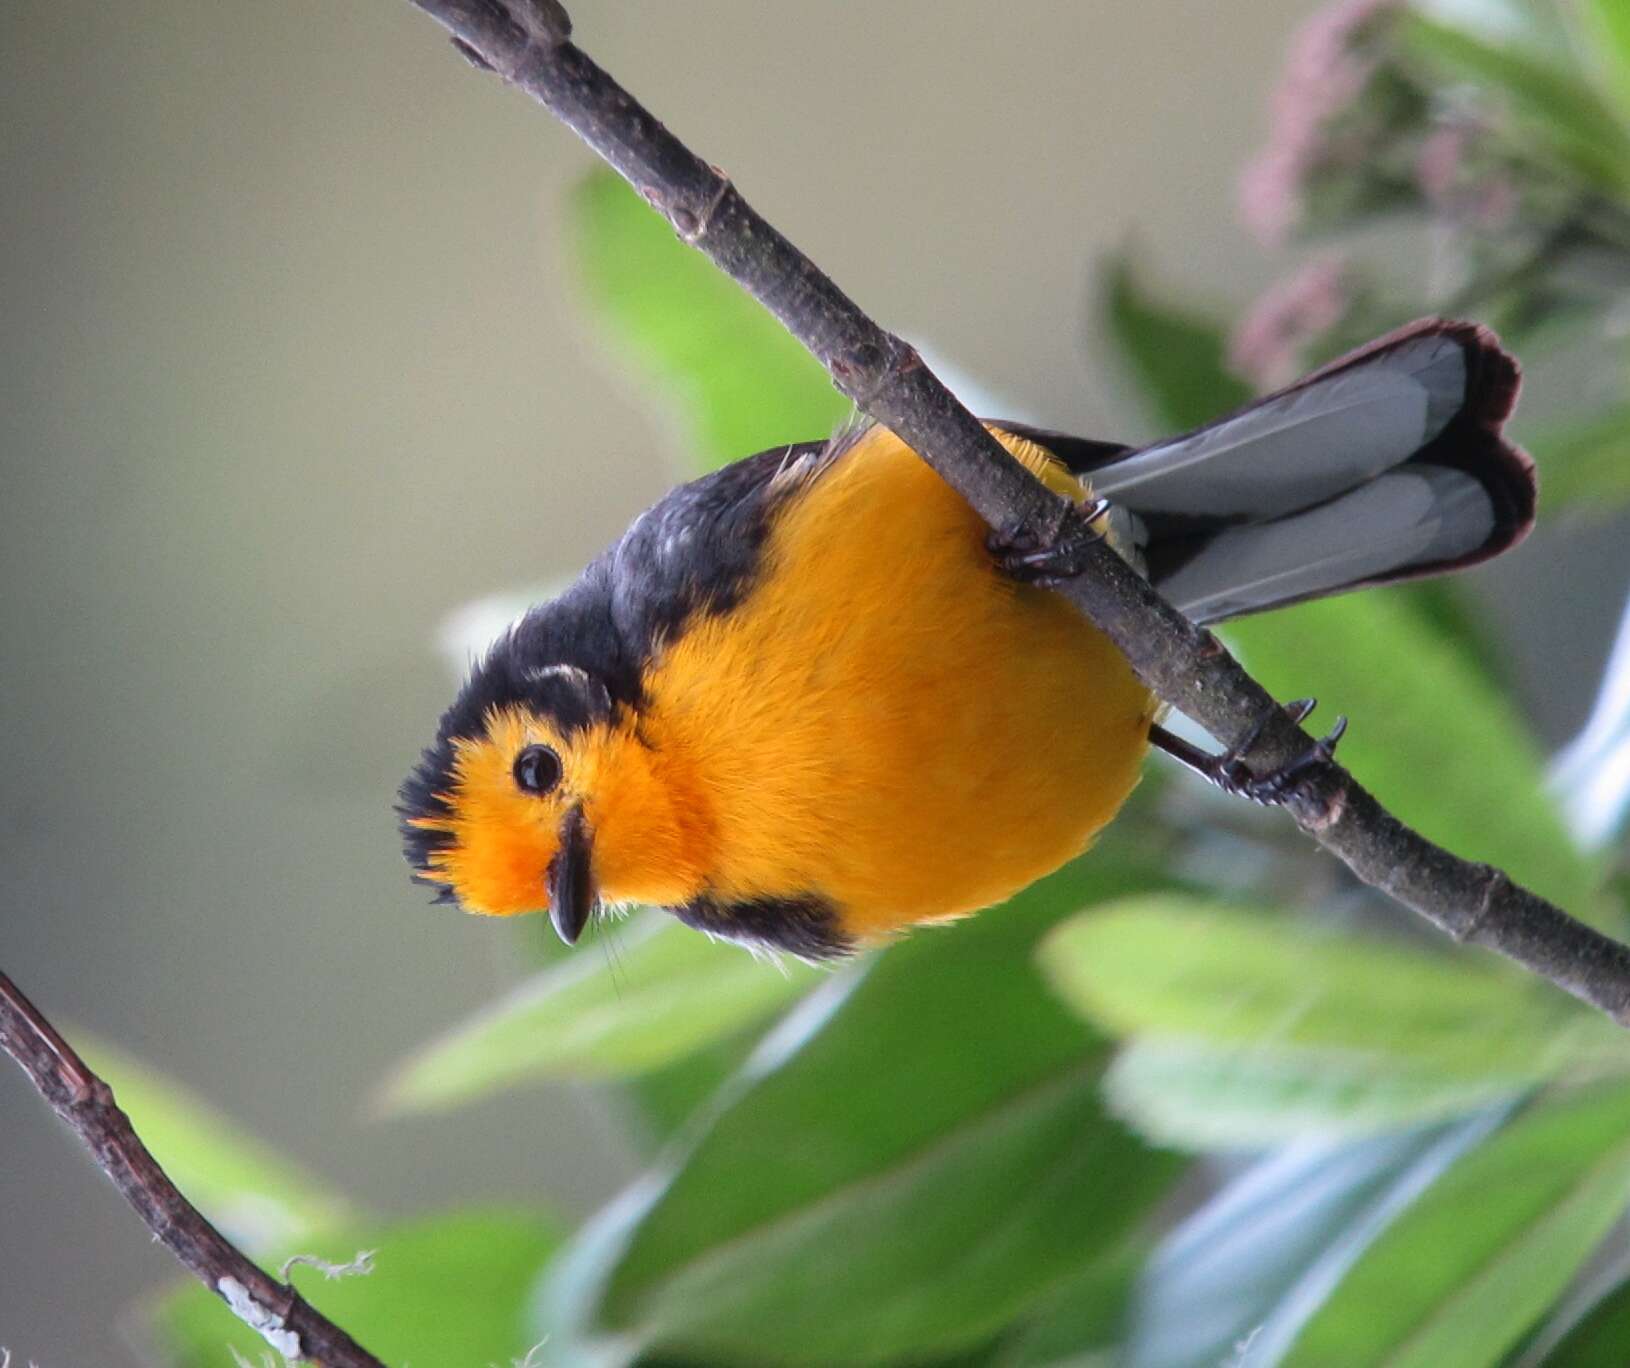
[(289, 1323), (528, 43)]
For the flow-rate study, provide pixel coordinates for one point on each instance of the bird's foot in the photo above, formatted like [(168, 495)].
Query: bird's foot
[(1229, 772), (1024, 557)]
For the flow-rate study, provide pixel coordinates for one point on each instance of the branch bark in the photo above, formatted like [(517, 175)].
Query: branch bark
[(284, 1318), (528, 44)]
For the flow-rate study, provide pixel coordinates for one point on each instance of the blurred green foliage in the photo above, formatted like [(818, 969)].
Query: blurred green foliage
[(937, 1090), (663, 994), (964, 1148), (1466, 1269), (448, 1290), (259, 1199), (1175, 359), (691, 329), (1345, 1032), (1447, 747)]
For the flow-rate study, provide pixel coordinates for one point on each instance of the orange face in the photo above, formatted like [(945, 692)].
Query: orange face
[(526, 814), (502, 831)]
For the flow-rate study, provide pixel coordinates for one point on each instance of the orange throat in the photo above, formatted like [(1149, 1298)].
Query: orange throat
[(651, 825)]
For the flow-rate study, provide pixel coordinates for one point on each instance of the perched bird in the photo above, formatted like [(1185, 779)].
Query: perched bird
[(804, 702)]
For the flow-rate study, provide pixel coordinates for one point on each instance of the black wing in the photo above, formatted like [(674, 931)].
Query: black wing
[(695, 551)]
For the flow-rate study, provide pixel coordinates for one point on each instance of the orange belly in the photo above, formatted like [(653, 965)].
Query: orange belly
[(889, 721)]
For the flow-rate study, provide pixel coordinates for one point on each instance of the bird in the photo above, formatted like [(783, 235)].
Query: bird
[(809, 700)]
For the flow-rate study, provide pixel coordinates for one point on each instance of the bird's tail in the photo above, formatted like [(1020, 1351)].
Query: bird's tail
[(1386, 465)]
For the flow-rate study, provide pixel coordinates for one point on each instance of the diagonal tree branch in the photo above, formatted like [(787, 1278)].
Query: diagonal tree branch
[(528, 44), (287, 1321)]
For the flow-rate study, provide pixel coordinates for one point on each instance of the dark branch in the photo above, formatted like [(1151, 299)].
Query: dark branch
[(527, 42), (287, 1321)]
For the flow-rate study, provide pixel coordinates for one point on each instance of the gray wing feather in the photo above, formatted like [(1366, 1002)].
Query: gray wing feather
[(1388, 464), (1417, 514), (1301, 447)]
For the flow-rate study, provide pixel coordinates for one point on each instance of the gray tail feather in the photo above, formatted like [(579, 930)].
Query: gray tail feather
[(1386, 465)]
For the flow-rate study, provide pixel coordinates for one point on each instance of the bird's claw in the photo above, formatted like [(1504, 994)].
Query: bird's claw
[(1228, 770), (1022, 556)]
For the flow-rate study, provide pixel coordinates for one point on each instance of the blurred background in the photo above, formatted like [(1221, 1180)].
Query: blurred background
[(309, 345)]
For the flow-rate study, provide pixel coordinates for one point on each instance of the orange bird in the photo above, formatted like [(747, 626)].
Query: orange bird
[(804, 702)]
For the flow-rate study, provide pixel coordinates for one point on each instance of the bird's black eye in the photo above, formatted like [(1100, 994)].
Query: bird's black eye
[(537, 770)]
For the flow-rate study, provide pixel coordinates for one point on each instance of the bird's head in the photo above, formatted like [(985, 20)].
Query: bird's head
[(544, 791), (496, 815)]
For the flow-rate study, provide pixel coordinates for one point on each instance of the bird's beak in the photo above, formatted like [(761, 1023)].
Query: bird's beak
[(571, 880)]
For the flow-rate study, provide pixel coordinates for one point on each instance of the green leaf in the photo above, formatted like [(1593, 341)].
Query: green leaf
[(453, 1290), (1177, 968), (1208, 1098), (1265, 1250), (1586, 465), (660, 992), (1177, 358), (1537, 28), (1249, 1028), (1471, 1266), (666, 1098), (912, 1159), (1084, 1317), (738, 380), (1607, 26), (257, 1197), (1556, 110), (1599, 1338), (996, 1210), (1446, 607), (1430, 736)]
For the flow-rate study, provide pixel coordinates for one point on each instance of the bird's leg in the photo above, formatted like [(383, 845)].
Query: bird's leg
[(1020, 556), (1228, 772)]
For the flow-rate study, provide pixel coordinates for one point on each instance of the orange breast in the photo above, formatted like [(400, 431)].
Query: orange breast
[(887, 720)]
